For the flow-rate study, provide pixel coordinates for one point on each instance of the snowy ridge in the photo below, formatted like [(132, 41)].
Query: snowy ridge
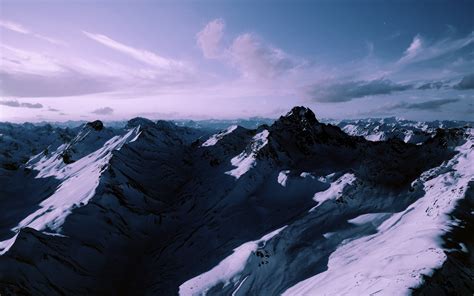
[(216, 137), (405, 130), (406, 245), (227, 270), (247, 159), (334, 191), (79, 182), (7, 244), (81, 179)]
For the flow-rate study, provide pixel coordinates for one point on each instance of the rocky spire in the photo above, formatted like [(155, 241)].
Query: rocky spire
[(300, 116)]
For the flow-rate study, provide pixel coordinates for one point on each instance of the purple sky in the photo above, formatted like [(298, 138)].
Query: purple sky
[(204, 59)]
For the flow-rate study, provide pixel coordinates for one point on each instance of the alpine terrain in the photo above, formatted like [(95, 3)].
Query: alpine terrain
[(292, 207)]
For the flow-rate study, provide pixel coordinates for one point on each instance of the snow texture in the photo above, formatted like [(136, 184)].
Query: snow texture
[(247, 159), (215, 138), (405, 247), (227, 269)]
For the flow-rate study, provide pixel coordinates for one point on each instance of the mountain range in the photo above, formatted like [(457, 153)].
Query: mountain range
[(294, 206)]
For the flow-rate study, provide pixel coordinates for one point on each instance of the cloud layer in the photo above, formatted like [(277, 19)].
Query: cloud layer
[(18, 28), (141, 55), (104, 111), (346, 91), (240, 73), (16, 104), (252, 56), (466, 83), (209, 39), (434, 105), (420, 50)]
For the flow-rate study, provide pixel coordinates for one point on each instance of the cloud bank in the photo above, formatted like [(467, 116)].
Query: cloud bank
[(16, 104), (421, 50), (252, 56), (466, 83), (244, 70), (104, 111), (141, 55), (209, 39), (434, 105), (18, 28), (347, 91)]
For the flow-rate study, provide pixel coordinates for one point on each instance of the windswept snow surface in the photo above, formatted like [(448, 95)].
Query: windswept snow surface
[(369, 218), (335, 190), (6, 244), (379, 136), (406, 246), (247, 159), (80, 180), (227, 270), (215, 138)]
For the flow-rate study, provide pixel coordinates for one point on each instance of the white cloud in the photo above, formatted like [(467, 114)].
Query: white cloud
[(14, 27), (420, 50), (209, 39), (414, 49), (103, 111), (16, 104), (18, 28), (258, 60), (141, 55), (27, 73), (253, 57), (349, 90), (16, 60), (50, 40), (33, 74)]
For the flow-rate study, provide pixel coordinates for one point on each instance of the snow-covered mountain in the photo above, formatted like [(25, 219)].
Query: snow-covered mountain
[(381, 129), (296, 207)]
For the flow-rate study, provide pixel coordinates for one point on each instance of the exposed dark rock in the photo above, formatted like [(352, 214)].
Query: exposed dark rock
[(10, 166), (96, 125), (67, 158)]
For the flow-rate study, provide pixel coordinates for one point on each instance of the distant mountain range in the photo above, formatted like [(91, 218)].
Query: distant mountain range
[(292, 206)]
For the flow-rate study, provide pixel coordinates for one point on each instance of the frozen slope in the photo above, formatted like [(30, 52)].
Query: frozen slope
[(78, 182), (406, 245), (227, 270)]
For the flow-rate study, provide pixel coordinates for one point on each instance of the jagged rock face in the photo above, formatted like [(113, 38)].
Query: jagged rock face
[(300, 115), (18, 142), (157, 209), (96, 125), (301, 125), (311, 145)]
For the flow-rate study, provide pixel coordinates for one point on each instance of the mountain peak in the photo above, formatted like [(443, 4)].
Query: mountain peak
[(96, 125), (300, 114), (143, 122)]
